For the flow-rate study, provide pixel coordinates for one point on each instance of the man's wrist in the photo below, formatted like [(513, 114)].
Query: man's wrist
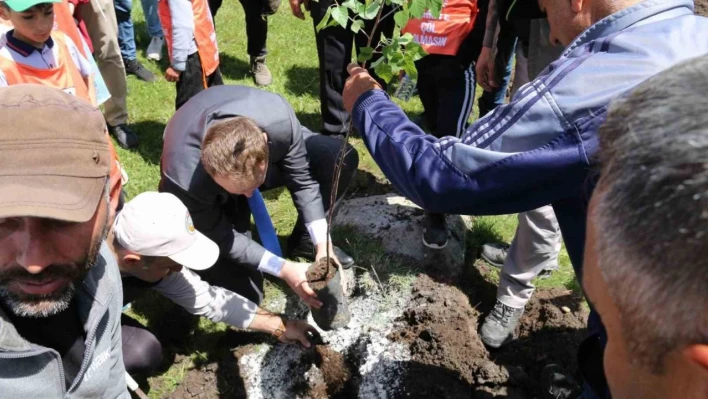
[(279, 328), (271, 263)]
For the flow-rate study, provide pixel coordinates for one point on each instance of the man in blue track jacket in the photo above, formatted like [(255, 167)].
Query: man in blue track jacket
[(538, 149)]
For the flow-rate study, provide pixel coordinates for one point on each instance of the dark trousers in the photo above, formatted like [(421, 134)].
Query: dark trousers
[(322, 154), (334, 50), (446, 89), (256, 24), (191, 81), (142, 352)]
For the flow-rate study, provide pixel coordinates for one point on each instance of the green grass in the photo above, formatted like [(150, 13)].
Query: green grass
[(292, 60)]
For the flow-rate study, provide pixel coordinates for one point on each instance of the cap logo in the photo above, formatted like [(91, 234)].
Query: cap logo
[(190, 225)]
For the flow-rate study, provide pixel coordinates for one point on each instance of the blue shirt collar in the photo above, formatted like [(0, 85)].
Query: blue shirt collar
[(23, 48)]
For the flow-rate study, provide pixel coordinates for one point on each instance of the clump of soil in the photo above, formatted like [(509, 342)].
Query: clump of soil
[(320, 272), (335, 372), (448, 358)]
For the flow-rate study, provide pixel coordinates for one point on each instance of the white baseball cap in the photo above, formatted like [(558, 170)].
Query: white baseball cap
[(158, 224)]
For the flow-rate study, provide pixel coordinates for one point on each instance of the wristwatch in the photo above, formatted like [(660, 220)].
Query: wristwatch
[(280, 330)]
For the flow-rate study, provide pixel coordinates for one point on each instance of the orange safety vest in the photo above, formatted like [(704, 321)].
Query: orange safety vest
[(66, 77), (204, 34), (445, 34), (64, 22)]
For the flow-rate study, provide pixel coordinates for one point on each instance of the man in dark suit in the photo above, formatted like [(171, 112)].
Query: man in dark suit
[(225, 143)]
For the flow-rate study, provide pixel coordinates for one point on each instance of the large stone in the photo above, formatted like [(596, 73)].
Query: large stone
[(398, 224)]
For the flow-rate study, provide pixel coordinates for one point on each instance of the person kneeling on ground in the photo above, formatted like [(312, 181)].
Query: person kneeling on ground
[(646, 254), (219, 149), (156, 245)]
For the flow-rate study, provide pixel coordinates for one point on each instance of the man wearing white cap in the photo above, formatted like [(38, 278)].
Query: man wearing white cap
[(153, 237)]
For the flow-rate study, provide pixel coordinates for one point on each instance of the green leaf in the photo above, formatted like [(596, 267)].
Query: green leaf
[(341, 15), (417, 8), (365, 54), (415, 50), (372, 10), (401, 18), (377, 62), (351, 4), (325, 19), (434, 6), (396, 58), (405, 39), (384, 71), (398, 2), (361, 9), (357, 25), (389, 50), (409, 68)]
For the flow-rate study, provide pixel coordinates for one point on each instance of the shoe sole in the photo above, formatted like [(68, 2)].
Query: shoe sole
[(491, 262), (433, 246), (497, 345), (154, 58)]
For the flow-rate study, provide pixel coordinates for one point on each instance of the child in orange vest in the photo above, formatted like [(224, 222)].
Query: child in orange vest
[(446, 82), (191, 44), (31, 51)]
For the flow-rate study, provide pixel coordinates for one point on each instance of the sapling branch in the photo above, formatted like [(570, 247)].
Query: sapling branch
[(343, 151)]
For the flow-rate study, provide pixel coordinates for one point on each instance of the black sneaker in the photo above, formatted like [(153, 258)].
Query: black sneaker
[(435, 231), (495, 254), (499, 326), (134, 67), (557, 384), (125, 137)]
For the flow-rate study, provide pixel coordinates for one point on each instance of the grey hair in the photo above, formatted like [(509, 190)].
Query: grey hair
[(652, 212)]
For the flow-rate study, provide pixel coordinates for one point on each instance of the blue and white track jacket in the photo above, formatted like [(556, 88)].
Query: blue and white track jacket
[(538, 149)]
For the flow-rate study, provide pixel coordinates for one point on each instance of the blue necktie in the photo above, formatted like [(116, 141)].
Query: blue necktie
[(263, 223)]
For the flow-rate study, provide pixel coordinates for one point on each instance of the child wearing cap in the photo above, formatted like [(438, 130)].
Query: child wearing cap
[(191, 43), (157, 246), (33, 52)]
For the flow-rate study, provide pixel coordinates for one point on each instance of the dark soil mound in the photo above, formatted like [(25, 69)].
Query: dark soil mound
[(450, 361)]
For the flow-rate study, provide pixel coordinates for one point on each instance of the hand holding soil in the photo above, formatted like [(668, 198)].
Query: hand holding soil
[(294, 275)]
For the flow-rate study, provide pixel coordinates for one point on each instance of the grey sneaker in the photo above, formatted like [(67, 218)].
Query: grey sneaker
[(261, 73), (495, 254), (154, 50), (499, 327)]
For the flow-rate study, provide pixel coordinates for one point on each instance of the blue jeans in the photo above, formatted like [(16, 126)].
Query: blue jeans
[(126, 33), (151, 19)]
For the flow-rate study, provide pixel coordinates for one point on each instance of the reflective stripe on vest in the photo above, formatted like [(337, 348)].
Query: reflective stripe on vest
[(204, 33), (445, 34)]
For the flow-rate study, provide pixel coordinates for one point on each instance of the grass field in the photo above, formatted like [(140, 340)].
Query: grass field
[(293, 61)]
